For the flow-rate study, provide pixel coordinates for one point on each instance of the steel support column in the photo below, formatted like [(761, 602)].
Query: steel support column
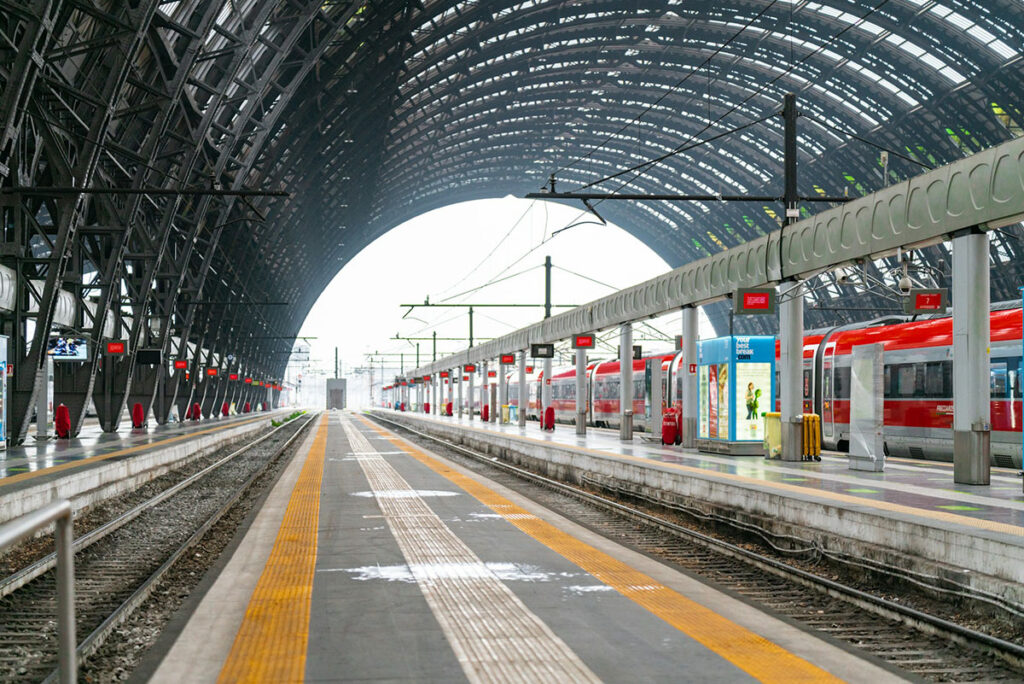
[(502, 389), (523, 401), (971, 370), (485, 386), (459, 376), (626, 382), (689, 390), (471, 396), (791, 339), (545, 390), (581, 391)]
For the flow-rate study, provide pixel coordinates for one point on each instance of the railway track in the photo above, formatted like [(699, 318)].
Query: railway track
[(118, 564), (916, 642)]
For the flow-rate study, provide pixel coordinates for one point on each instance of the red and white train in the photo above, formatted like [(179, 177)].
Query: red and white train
[(918, 386)]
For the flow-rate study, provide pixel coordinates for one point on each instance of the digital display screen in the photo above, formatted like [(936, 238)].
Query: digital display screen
[(67, 349)]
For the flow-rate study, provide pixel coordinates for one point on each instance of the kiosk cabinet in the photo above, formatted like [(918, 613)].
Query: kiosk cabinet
[(736, 386)]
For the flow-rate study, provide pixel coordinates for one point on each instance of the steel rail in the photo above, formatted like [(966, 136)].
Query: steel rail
[(15, 581), (1006, 650), (91, 643)]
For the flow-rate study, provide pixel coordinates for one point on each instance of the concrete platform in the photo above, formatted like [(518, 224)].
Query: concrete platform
[(374, 560), (911, 516), (96, 465)]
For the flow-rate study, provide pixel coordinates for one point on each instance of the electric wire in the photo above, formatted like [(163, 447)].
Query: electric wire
[(683, 146)]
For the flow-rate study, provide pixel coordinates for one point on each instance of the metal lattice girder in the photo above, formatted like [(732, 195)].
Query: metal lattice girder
[(372, 113), (985, 190)]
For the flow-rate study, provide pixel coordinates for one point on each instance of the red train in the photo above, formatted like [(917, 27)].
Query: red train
[(918, 385)]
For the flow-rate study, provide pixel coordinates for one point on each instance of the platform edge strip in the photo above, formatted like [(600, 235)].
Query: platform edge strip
[(271, 642)]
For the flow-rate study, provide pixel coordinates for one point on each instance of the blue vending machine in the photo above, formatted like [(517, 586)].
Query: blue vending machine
[(736, 385)]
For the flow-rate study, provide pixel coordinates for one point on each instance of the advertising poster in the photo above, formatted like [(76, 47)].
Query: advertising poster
[(713, 401), (723, 401), (703, 402), (753, 397)]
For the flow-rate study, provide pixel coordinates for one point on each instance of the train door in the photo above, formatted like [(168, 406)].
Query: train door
[(827, 392)]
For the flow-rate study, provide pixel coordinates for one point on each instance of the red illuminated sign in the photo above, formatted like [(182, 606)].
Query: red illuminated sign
[(756, 300), (529, 369), (693, 369), (115, 348), (211, 371), (233, 376), (930, 301), (469, 368), (583, 342), (426, 378), (248, 381), (508, 359), (465, 378), (492, 374), (180, 364), (444, 374)]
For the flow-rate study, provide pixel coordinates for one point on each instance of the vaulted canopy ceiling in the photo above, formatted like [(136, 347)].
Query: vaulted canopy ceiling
[(370, 113)]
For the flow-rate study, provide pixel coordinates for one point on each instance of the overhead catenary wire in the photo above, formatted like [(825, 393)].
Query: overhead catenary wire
[(682, 147), (870, 143)]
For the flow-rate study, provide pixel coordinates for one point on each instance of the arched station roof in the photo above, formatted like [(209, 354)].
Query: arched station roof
[(370, 113)]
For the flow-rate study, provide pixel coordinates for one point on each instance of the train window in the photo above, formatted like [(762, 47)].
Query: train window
[(906, 379), (997, 381), (935, 380), (842, 382), (638, 388)]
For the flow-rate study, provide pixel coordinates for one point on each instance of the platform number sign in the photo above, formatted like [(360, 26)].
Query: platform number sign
[(212, 372), (116, 348), (180, 364), (469, 368), (583, 342), (542, 351), (754, 301), (922, 301), (508, 359)]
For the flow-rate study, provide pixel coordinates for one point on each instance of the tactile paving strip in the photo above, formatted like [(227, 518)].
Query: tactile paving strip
[(494, 635)]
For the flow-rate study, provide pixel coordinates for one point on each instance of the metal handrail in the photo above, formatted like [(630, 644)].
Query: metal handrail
[(12, 532)]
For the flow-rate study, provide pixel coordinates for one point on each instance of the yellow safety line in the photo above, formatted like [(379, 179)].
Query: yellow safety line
[(13, 479), (952, 518), (271, 642), (752, 653)]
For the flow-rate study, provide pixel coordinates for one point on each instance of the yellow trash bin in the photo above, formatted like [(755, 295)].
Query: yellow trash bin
[(504, 413), (773, 435)]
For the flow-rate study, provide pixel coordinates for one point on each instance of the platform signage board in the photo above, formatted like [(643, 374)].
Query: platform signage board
[(180, 364), (922, 301), (754, 300), (115, 348), (583, 342), (735, 386), (542, 351), (469, 368), (508, 359)]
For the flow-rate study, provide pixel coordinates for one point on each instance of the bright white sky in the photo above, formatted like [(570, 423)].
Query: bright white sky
[(447, 253)]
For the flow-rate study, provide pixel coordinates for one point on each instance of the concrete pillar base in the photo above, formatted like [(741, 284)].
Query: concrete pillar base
[(689, 433), (581, 422), (626, 428), (792, 441), (972, 453)]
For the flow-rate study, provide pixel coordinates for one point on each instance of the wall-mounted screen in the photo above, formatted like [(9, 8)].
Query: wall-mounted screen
[(67, 349)]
